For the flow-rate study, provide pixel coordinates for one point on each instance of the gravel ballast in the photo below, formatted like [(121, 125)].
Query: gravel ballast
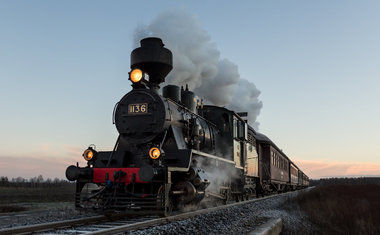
[(240, 219), (44, 213)]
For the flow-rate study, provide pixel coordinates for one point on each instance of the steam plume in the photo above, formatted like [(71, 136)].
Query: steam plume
[(197, 62)]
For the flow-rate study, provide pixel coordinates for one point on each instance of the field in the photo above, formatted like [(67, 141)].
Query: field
[(14, 199), (342, 208)]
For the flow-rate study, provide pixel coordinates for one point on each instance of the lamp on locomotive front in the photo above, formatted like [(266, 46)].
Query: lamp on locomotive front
[(138, 78), (154, 153), (136, 75), (90, 154), (150, 64)]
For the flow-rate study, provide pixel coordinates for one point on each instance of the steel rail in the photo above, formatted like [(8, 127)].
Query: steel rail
[(52, 225)]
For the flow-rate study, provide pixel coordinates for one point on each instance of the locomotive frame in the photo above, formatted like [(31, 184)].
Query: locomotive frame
[(173, 151)]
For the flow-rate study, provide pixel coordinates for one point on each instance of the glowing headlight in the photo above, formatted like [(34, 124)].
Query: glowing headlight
[(89, 154), (154, 153), (136, 75)]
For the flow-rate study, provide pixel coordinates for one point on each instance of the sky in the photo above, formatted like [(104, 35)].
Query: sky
[(65, 64)]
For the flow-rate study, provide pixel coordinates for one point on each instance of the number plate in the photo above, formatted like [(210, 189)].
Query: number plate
[(138, 108)]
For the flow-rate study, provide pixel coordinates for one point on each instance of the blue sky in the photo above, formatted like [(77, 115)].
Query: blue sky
[(63, 66)]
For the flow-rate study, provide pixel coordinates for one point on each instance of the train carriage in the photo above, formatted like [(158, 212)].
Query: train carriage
[(305, 180), (274, 165), (293, 179), (300, 179)]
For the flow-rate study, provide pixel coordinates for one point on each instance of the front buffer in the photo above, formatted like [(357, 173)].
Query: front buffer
[(130, 190)]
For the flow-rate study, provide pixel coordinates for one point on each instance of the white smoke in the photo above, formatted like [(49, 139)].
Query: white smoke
[(197, 62)]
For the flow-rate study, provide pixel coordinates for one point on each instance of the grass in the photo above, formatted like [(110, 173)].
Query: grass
[(343, 208), (59, 193)]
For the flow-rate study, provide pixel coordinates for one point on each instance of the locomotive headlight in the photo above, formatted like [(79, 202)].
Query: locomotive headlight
[(154, 153), (89, 154), (136, 75)]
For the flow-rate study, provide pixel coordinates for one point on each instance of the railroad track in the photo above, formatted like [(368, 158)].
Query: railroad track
[(77, 226), (52, 225), (105, 225)]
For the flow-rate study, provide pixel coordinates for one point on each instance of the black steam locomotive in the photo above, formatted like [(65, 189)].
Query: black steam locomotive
[(173, 151)]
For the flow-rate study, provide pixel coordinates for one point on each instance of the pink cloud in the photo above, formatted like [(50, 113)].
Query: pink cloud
[(50, 162), (324, 169), (28, 167), (370, 169)]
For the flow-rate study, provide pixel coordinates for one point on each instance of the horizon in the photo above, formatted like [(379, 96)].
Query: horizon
[(14, 179), (64, 66)]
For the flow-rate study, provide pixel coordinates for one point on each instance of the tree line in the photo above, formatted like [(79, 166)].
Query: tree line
[(352, 180), (39, 181), (33, 182)]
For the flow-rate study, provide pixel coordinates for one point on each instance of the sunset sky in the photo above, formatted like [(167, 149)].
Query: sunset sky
[(64, 65)]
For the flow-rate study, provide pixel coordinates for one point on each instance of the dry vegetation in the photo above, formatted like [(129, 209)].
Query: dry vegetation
[(53, 193), (343, 208), (14, 194)]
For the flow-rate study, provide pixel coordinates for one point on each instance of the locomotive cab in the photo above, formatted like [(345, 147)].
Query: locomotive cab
[(236, 136)]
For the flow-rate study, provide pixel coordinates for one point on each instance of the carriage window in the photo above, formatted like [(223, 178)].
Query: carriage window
[(226, 122), (235, 134), (242, 130)]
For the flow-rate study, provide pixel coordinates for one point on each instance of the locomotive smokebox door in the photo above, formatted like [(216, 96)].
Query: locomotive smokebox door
[(140, 116), (153, 59)]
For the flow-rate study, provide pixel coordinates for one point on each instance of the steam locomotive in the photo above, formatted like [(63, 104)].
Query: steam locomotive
[(172, 151)]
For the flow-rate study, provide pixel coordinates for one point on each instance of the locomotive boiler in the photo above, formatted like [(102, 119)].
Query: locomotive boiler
[(172, 151)]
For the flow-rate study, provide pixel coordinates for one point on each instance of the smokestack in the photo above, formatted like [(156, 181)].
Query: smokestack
[(153, 59)]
